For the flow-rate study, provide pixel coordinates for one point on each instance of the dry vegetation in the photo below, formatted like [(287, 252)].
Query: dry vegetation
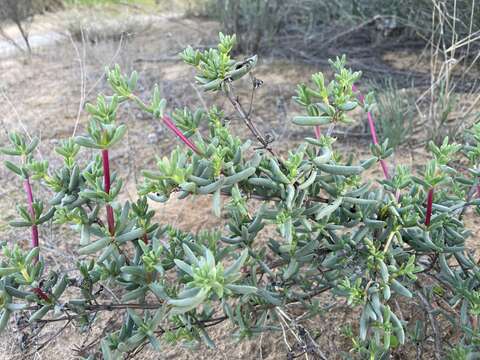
[(44, 95)]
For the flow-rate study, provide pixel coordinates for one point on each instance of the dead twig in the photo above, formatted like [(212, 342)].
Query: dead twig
[(354, 29), (234, 100), (437, 337)]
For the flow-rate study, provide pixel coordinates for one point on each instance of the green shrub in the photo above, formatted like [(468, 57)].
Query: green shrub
[(369, 243), (263, 20), (395, 112), (265, 24)]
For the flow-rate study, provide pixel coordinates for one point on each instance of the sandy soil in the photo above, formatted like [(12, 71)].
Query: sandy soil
[(43, 95)]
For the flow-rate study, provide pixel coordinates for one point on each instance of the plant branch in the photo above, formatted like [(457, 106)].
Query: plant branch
[(106, 177), (171, 125), (433, 322), (275, 198), (428, 215), (228, 90), (28, 190), (167, 121), (373, 132)]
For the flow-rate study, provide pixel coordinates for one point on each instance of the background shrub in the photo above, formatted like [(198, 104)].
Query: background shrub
[(271, 22), (395, 111)]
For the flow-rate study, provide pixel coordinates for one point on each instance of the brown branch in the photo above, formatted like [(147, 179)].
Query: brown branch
[(272, 198), (205, 323), (437, 338), (354, 29), (24, 34), (275, 198), (234, 100), (146, 306), (49, 340), (102, 307), (114, 307)]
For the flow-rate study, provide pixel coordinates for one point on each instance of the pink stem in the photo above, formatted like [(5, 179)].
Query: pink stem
[(373, 132), (478, 190), (318, 132), (171, 125), (428, 215), (28, 191), (383, 164), (106, 177), (371, 124), (360, 96)]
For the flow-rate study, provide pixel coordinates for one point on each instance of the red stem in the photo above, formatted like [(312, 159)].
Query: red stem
[(428, 215), (171, 125), (41, 294), (28, 191), (478, 191), (106, 178)]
